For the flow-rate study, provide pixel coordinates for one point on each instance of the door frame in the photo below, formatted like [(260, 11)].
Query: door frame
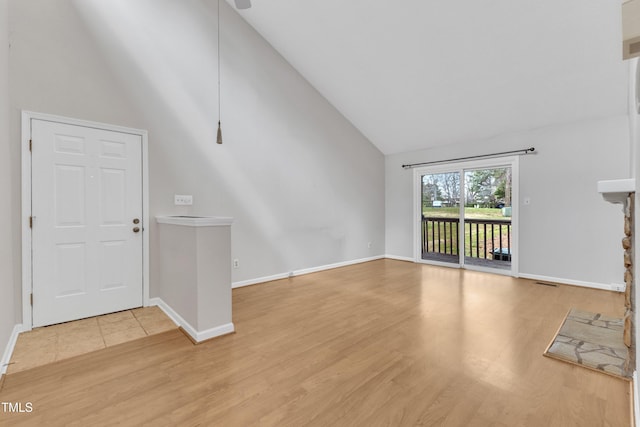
[(511, 161), (27, 261)]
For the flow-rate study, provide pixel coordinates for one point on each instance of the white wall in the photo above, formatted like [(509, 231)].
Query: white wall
[(568, 231), (305, 187), (7, 312)]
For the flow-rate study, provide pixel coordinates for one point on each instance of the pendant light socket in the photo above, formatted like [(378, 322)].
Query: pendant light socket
[(219, 139)]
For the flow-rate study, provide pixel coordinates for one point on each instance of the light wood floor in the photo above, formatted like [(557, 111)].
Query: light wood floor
[(385, 343)]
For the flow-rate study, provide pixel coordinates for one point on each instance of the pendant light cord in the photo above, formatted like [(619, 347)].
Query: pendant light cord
[(219, 133), (218, 62)]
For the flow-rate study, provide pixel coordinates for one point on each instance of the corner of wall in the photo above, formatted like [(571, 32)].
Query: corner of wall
[(7, 210)]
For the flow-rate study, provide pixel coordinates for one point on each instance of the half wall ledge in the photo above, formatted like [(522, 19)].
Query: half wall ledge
[(195, 273), (617, 190)]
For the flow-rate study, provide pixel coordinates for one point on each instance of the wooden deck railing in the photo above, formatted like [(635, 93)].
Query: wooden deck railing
[(484, 238)]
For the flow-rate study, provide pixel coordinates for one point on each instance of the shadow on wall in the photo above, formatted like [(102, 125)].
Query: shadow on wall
[(283, 172)]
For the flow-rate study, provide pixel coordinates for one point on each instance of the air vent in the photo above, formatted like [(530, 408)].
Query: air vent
[(553, 285)]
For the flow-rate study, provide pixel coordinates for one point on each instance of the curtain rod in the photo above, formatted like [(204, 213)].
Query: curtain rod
[(523, 151)]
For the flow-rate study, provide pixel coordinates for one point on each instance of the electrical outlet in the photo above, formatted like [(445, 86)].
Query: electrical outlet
[(619, 287), (369, 245), (236, 263), (183, 199)]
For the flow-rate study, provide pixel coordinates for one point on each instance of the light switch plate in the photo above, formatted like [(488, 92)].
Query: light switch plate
[(183, 200)]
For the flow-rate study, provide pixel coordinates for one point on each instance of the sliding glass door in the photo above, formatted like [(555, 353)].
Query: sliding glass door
[(440, 222), (487, 217), (466, 213)]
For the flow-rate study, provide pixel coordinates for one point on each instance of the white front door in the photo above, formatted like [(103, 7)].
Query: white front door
[(87, 221)]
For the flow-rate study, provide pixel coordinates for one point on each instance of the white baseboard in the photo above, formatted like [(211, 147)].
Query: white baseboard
[(303, 271), (259, 280), (170, 312), (594, 285), (400, 258), (336, 265), (584, 284), (8, 351), (218, 331), (198, 336)]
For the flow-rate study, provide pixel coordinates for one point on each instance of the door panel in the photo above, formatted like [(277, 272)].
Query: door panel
[(113, 192), (70, 272), (440, 210), (86, 191), (487, 217), (112, 265), (69, 204)]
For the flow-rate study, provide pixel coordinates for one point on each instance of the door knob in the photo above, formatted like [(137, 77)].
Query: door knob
[(136, 221), (136, 229)]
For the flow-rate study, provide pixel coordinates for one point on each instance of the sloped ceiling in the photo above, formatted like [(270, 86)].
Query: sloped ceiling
[(414, 74)]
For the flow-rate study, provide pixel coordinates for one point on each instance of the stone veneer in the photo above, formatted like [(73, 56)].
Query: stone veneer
[(627, 244)]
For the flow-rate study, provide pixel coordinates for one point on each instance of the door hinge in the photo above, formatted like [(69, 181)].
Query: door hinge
[(30, 144), (30, 222), (31, 299)]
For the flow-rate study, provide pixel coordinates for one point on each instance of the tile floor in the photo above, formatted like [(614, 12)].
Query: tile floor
[(48, 344)]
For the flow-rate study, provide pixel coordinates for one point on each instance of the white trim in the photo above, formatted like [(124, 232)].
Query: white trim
[(25, 213), (569, 282), (336, 265), (303, 272), (194, 221), (469, 267), (159, 302), (27, 116), (515, 216), (146, 218), (198, 336), (482, 269), (636, 399), (218, 331), (8, 351), (400, 258), (259, 280), (438, 263)]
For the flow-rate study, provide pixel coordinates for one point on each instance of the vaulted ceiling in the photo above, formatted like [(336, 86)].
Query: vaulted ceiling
[(414, 74)]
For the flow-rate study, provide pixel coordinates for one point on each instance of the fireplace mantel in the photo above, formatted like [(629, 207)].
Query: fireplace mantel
[(617, 190)]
